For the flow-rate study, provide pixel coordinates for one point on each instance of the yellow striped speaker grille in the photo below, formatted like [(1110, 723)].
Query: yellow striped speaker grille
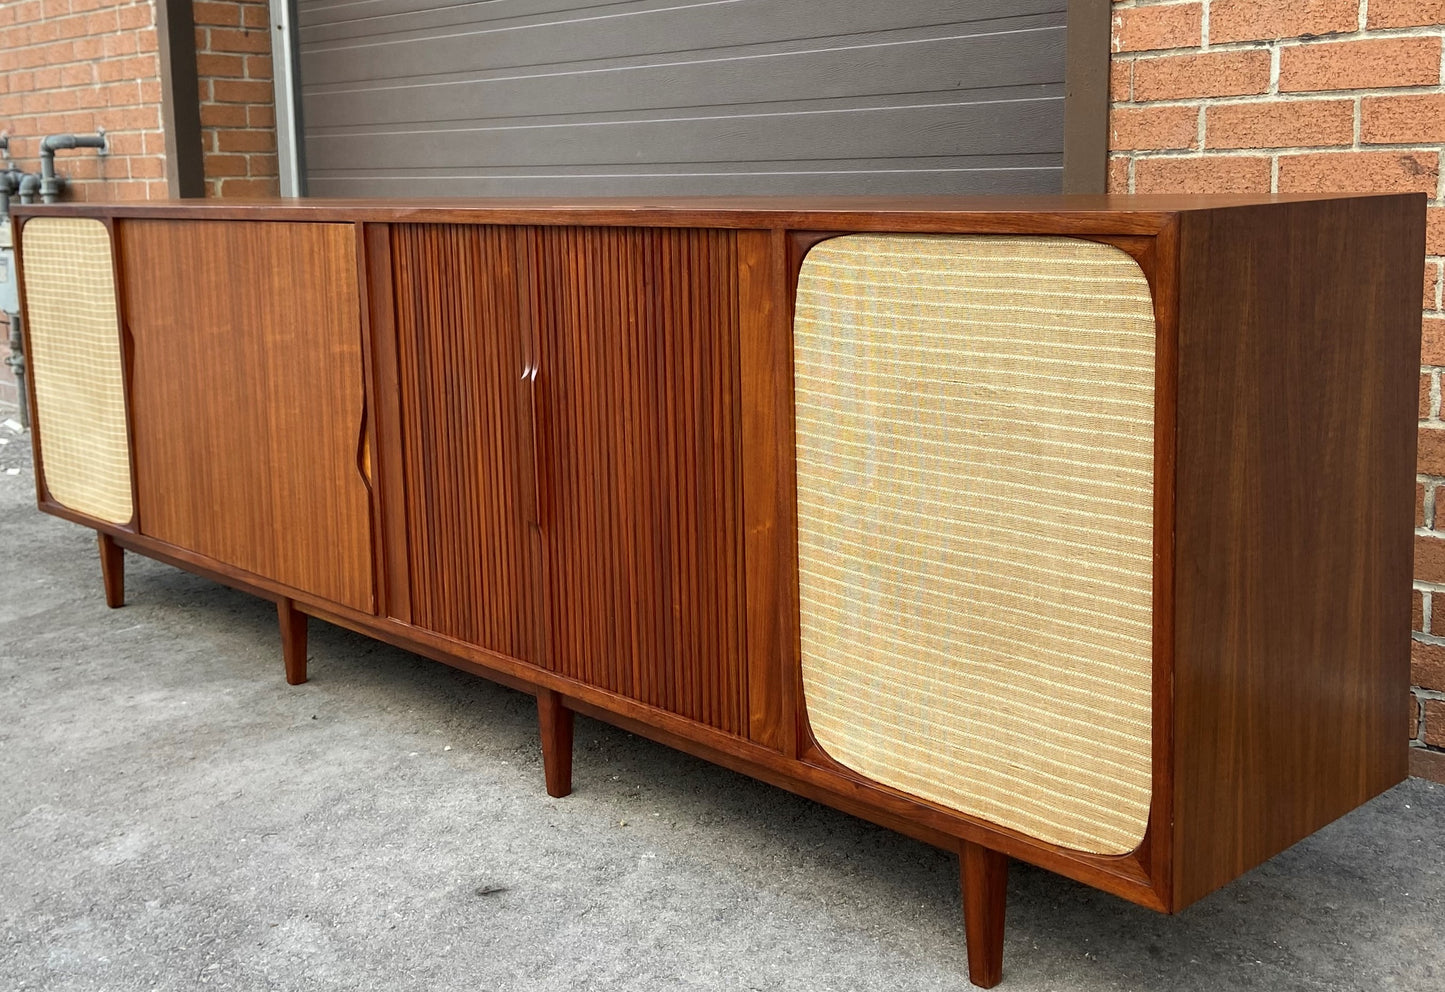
[(74, 341), (975, 436)]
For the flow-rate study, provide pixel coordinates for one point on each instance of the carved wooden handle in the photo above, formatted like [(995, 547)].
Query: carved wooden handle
[(363, 448), (540, 497)]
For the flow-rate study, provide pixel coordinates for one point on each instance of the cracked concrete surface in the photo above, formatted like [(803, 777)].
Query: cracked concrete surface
[(174, 816)]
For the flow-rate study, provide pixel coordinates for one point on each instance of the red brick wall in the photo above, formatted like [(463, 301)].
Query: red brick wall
[(238, 115), (1296, 97), (75, 65)]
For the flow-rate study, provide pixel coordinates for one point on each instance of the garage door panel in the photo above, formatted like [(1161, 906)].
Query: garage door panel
[(398, 46), (953, 130), (843, 180), (661, 97), (930, 65)]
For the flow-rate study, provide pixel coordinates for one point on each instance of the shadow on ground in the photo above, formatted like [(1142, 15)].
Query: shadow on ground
[(173, 816)]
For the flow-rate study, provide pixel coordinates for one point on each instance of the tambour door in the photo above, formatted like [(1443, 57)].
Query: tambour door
[(638, 463), (248, 400), (460, 564)]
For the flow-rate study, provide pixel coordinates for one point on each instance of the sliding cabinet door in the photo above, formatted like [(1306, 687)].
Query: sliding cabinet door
[(248, 398)]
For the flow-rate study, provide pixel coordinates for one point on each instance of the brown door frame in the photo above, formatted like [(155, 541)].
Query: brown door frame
[(1086, 97), (180, 98)]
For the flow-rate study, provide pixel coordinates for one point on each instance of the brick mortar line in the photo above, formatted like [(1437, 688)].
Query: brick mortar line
[(82, 37), (1288, 151), (1288, 96), (1291, 41), (1437, 147)]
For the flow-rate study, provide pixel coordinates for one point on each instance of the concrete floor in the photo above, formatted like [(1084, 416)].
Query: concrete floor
[(173, 816)]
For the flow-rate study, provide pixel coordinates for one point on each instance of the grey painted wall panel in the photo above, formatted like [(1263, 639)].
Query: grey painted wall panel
[(669, 97)]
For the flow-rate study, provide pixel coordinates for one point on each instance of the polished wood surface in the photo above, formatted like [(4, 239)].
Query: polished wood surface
[(112, 569), (983, 874), (639, 508), (1079, 214), (1299, 331), (555, 722), (580, 443), (247, 399), (293, 640), (769, 511), (460, 358)]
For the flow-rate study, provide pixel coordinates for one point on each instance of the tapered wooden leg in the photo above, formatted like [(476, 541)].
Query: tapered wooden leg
[(984, 875), (112, 570), (556, 722), (293, 640)]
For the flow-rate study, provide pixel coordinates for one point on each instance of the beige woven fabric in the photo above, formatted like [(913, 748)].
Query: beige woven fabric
[(76, 364), (975, 431)]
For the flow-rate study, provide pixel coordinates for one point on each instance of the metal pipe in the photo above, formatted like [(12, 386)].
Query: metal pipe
[(29, 184), (50, 183), (16, 361)]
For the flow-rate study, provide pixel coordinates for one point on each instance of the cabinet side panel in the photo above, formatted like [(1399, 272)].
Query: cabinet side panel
[(460, 363), (638, 433), (247, 398), (1299, 348)]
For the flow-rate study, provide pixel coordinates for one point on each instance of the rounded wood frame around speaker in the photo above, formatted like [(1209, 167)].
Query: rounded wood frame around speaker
[(975, 438), (73, 343)]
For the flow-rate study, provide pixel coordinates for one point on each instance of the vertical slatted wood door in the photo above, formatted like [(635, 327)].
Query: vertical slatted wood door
[(460, 352), (640, 511), (248, 400)]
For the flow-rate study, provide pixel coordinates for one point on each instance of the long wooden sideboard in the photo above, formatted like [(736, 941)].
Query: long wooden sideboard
[(1072, 530)]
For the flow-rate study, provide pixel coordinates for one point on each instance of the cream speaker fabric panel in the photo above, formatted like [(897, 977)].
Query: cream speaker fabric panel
[(975, 436), (75, 361)]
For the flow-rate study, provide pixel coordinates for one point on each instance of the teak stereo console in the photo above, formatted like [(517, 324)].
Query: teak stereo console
[(1074, 530)]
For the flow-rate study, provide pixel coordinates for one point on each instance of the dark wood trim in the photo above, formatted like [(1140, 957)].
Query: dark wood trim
[(369, 450), (533, 363), (42, 492), (1085, 215), (127, 360), (112, 569), (389, 486), (767, 387), (180, 98), (293, 640), (983, 876), (1086, 97), (1161, 268), (555, 722), (1099, 215)]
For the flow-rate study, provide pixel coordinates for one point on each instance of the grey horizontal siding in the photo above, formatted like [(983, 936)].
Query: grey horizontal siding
[(669, 97)]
